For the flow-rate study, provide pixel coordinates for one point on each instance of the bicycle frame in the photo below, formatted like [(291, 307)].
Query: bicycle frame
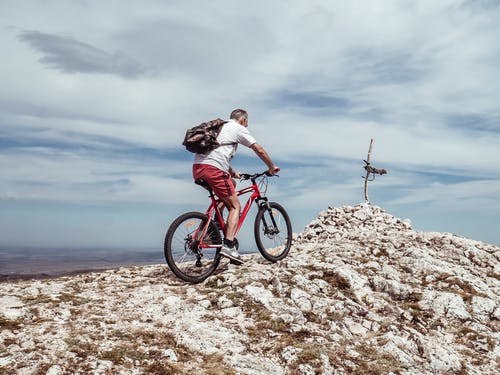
[(214, 208)]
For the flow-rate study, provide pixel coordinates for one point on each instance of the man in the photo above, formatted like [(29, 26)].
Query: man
[(214, 168)]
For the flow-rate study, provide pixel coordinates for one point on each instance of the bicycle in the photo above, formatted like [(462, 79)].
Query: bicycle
[(193, 240)]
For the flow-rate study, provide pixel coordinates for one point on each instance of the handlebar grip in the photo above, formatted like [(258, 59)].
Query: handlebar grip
[(245, 176)]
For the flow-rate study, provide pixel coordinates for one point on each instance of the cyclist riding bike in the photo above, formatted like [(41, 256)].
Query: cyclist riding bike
[(214, 168)]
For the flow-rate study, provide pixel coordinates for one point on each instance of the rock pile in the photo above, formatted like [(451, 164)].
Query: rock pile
[(360, 293)]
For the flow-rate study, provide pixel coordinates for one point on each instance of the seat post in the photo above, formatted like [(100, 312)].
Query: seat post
[(204, 184)]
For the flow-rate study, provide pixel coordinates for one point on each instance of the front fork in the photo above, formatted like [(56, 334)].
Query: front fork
[(269, 228)]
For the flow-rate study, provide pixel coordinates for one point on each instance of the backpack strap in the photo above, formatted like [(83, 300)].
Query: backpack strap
[(227, 144)]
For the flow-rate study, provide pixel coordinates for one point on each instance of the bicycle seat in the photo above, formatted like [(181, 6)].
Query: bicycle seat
[(203, 183)]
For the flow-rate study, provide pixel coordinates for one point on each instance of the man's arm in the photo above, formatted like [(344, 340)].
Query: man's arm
[(233, 173), (264, 156)]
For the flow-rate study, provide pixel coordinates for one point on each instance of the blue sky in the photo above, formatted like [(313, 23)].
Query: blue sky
[(96, 96)]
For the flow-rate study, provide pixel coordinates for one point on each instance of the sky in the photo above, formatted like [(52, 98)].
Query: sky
[(95, 98)]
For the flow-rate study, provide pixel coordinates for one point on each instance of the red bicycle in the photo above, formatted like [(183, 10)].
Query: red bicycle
[(193, 241)]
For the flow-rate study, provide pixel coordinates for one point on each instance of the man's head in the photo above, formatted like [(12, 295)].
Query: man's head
[(240, 115)]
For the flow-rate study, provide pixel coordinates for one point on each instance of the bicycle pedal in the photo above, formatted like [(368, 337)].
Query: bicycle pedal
[(235, 262)]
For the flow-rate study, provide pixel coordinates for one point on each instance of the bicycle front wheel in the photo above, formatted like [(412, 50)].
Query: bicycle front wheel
[(182, 251), (273, 232)]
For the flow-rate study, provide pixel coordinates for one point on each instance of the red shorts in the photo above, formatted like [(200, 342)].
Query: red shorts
[(221, 182)]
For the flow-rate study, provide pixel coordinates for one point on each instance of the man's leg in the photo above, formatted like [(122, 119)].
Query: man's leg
[(224, 187), (223, 204), (229, 248), (233, 205)]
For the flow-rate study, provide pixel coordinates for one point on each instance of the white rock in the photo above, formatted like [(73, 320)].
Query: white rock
[(306, 370), (233, 312), (496, 313), (289, 354), (354, 279), (442, 360), (445, 304), (301, 299), (395, 289), (170, 355), (54, 370), (11, 307), (260, 294), (103, 366), (205, 303), (355, 328), (276, 283), (5, 361), (327, 368), (251, 365), (361, 215), (483, 308), (224, 302)]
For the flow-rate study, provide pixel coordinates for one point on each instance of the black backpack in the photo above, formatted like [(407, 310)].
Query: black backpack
[(202, 138)]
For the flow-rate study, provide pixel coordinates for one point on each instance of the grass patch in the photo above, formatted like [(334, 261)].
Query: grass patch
[(72, 298), (312, 317), (162, 368), (39, 299), (371, 361), (310, 353), (262, 326), (494, 275), (120, 354), (380, 252), (160, 339), (435, 278), (8, 324), (213, 282), (468, 337), (466, 291), (473, 358), (335, 279), (80, 348), (213, 364)]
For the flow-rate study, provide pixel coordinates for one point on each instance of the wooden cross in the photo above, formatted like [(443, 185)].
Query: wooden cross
[(371, 171)]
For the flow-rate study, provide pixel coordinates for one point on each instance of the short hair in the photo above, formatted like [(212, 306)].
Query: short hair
[(238, 113)]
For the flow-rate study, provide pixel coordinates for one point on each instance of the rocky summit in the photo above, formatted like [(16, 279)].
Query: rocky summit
[(361, 292)]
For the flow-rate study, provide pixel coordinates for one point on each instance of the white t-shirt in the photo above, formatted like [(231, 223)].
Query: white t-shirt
[(231, 132)]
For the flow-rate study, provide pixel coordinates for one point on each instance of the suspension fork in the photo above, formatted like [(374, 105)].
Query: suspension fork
[(263, 204)]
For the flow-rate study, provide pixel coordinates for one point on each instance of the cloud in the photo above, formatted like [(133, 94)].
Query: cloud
[(218, 52), (95, 109), (69, 55), (452, 195), (94, 177)]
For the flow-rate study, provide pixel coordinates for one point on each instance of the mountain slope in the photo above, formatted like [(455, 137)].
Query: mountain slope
[(360, 293)]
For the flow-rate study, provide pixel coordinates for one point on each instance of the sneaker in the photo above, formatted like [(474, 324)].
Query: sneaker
[(232, 254)]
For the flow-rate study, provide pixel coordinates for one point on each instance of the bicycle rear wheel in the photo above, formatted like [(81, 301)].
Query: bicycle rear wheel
[(273, 232), (182, 251)]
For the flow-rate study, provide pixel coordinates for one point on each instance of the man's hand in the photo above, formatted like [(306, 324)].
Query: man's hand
[(273, 170)]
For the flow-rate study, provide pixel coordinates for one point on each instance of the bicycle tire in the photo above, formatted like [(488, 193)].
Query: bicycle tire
[(183, 255), (273, 242)]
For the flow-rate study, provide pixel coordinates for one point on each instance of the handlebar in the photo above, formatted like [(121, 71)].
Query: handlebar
[(252, 177)]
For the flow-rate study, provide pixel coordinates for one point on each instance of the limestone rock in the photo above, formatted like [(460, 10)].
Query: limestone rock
[(360, 292)]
